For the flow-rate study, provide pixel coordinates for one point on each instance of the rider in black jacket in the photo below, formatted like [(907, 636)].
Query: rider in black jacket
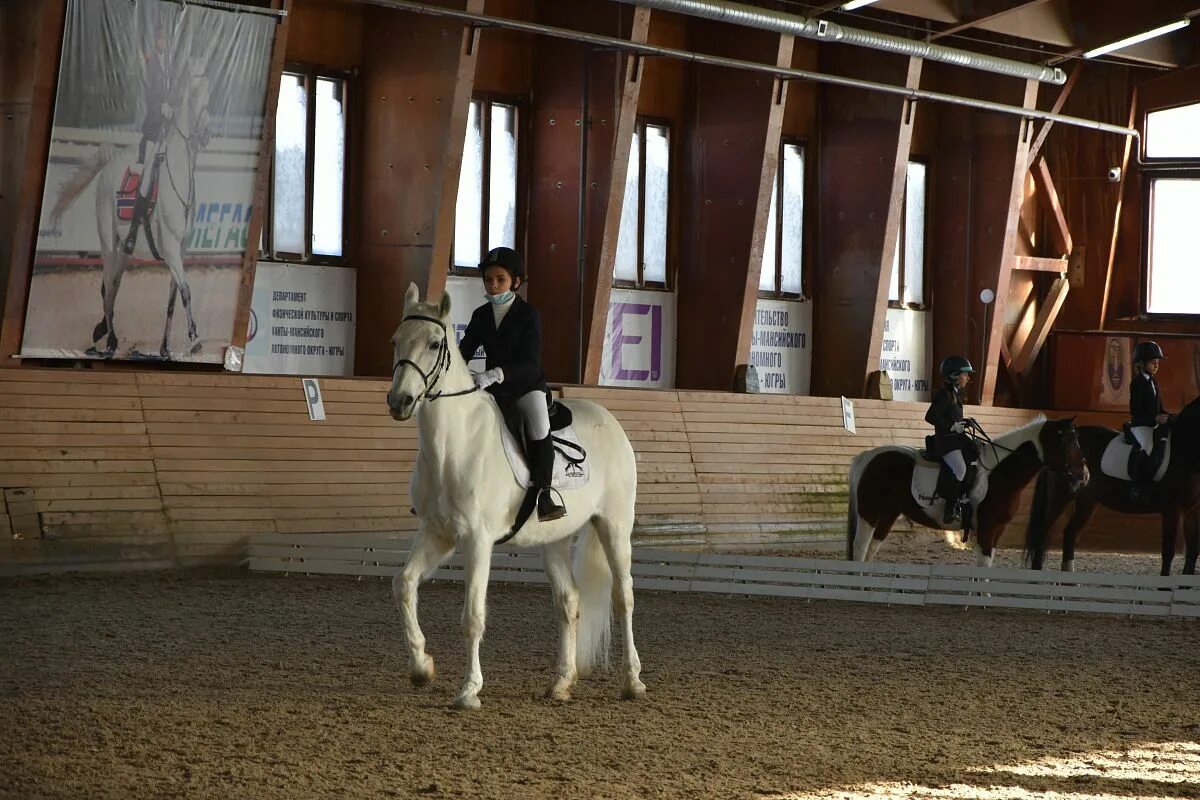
[(510, 331), (1145, 401), (945, 414)]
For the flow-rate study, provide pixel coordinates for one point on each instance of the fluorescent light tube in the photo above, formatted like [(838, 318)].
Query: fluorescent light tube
[(853, 4), (1141, 37)]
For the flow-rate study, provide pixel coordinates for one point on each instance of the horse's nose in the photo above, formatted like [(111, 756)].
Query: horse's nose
[(400, 402)]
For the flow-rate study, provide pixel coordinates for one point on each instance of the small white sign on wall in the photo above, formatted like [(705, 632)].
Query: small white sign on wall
[(312, 396), (848, 414)]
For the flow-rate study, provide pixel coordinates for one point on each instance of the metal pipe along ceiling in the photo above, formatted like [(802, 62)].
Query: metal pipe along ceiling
[(613, 43), (825, 31)]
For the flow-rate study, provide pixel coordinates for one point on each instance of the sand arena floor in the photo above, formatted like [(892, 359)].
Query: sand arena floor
[(253, 686)]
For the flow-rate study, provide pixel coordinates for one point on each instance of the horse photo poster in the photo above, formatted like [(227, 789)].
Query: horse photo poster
[(157, 129)]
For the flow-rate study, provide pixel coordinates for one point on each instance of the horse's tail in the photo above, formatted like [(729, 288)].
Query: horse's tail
[(83, 175), (1035, 531), (857, 465), (595, 582)]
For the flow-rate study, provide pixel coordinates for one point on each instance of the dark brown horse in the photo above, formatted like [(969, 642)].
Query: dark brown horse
[(1175, 497), (881, 485)]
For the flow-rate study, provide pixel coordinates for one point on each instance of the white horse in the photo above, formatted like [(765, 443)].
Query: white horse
[(464, 493), (186, 134)]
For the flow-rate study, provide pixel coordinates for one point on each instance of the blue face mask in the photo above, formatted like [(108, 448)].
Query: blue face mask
[(499, 299)]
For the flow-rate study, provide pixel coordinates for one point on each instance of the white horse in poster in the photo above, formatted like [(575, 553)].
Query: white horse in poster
[(186, 134), (464, 493)]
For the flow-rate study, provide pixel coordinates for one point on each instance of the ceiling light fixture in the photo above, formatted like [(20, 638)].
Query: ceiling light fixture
[(1141, 37), (853, 4)]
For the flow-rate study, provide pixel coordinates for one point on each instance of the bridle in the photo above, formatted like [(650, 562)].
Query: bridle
[(1066, 436), (442, 364)]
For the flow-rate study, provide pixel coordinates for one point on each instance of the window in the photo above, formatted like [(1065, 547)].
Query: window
[(783, 251), (486, 210), (907, 286), (308, 181), (1172, 270), (642, 238)]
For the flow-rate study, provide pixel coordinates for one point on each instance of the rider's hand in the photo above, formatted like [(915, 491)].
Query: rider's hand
[(1162, 419), (959, 426), (488, 377)]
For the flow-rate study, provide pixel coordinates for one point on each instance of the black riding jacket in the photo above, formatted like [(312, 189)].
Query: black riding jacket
[(515, 348), (945, 410), (1145, 401)]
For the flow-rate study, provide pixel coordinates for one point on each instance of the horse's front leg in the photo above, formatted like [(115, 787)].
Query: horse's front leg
[(427, 553), (477, 551), (557, 557)]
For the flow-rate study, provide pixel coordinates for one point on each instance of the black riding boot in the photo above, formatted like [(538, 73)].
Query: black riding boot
[(140, 206), (541, 473), (954, 503)]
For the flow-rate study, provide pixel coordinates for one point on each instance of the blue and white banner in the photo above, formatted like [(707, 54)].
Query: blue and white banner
[(639, 340), (907, 353), (780, 348), (301, 320)]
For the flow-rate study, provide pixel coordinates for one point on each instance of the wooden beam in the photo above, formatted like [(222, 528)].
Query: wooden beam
[(1041, 176), (1038, 264), (601, 289), (995, 332), (452, 155), (895, 217), (766, 189), (1116, 228), (262, 179), (1059, 102), (29, 196), (986, 16), (1042, 326)]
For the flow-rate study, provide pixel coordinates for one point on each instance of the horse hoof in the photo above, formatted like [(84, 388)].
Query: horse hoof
[(195, 348), (559, 692), (466, 702), (634, 691), (423, 677)]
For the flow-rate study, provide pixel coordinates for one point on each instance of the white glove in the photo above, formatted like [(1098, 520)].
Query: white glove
[(958, 427), (488, 377)]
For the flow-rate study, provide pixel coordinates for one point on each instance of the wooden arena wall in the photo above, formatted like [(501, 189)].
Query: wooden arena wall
[(142, 470)]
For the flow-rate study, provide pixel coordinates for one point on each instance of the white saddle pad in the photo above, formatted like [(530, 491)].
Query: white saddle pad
[(1115, 461), (566, 474), (924, 485)]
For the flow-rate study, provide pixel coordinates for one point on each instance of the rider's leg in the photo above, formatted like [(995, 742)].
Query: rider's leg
[(1144, 434), (541, 453), (958, 465), (141, 202)]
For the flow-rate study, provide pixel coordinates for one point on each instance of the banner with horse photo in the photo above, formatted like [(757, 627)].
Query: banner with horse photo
[(150, 181)]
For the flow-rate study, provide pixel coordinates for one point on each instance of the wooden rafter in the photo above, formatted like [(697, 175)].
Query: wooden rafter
[(1042, 325), (1038, 264), (991, 12), (1045, 184), (1059, 102)]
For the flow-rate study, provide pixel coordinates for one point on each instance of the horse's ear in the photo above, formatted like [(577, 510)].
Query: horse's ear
[(444, 306), (412, 296)]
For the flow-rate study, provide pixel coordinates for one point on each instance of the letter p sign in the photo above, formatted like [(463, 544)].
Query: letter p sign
[(312, 396)]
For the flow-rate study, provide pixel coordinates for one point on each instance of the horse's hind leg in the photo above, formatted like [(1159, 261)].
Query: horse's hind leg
[(172, 253), (163, 350), (557, 557), (615, 536), (1191, 539), (870, 537), (1170, 538), (427, 553)]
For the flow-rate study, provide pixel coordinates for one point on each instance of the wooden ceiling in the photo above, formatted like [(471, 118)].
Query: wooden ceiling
[(1050, 31)]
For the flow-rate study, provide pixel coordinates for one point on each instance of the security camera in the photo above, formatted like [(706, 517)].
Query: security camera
[(1114, 174)]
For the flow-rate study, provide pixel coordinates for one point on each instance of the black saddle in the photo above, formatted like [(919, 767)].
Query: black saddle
[(1143, 467)]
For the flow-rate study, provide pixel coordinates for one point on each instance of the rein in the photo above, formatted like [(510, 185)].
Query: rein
[(440, 366)]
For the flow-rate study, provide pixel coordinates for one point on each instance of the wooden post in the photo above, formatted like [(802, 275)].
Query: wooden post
[(600, 290), (1007, 254)]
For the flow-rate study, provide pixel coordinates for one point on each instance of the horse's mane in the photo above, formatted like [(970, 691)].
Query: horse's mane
[(1013, 439)]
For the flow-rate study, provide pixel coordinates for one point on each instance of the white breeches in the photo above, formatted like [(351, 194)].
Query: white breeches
[(537, 417), (957, 464), (1145, 437)]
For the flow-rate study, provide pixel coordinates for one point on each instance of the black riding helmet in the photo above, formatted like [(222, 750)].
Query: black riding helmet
[(953, 365), (1146, 351), (504, 257)]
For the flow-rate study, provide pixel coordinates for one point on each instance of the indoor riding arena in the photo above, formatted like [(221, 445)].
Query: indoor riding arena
[(869, 340)]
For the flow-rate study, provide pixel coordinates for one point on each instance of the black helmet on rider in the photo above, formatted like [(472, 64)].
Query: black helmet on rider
[(504, 257), (1146, 351), (953, 366)]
